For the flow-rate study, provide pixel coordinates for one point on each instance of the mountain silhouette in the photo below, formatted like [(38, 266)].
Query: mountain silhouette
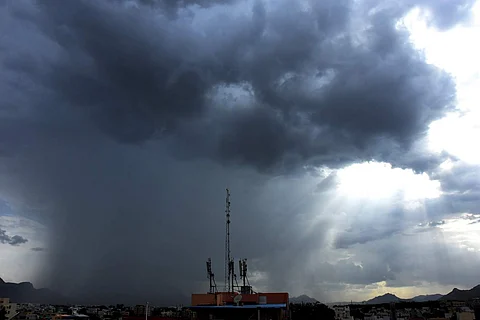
[(386, 298), (24, 292), (428, 297), (303, 299), (463, 295), (455, 294)]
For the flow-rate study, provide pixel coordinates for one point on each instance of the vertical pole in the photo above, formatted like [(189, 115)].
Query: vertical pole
[(228, 274), (146, 311)]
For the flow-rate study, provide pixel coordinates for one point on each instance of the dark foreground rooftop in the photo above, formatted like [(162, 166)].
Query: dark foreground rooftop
[(247, 306)]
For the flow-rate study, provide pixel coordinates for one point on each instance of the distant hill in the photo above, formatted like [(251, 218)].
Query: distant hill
[(463, 295), (25, 292), (303, 299), (386, 298), (455, 294), (428, 297)]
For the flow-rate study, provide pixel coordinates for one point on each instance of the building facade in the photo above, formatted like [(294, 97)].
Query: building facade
[(10, 308), (235, 306)]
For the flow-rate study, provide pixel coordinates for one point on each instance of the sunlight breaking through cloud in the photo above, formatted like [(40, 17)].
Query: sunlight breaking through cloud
[(378, 180), (456, 133)]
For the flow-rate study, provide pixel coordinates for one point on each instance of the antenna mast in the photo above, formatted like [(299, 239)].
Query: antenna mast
[(228, 269), (211, 277), (246, 288)]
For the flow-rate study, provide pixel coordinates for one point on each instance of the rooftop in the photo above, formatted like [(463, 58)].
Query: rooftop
[(247, 306)]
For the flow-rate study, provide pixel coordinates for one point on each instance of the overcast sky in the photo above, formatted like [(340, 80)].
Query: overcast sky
[(347, 132)]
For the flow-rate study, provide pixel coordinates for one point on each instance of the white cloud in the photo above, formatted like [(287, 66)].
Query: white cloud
[(456, 52), (463, 231), (21, 263), (379, 181)]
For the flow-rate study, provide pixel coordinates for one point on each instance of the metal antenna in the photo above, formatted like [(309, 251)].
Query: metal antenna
[(211, 277), (244, 272), (246, 287), (233, 276), (228, 274)]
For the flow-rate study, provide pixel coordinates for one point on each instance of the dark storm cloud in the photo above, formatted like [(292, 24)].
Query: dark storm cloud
[(362, 235), (14, 240), (131, 221), (461, 179), (333, 277), (428, 257), (461, 189), (140, 74)]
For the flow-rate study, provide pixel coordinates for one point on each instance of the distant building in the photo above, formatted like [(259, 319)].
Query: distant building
[(342, 312), (370, 316), (139, 310), (26, 316), (70, 317), (457, 304), (10, 308), (92, 310)]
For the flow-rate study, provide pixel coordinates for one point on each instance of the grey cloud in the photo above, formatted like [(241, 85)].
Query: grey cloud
[(475, 218), (152, 218), (446, 14), (370, 221), (14, 240), (432, 224), (436, 223), (347, 272), (462, 178), (434, 259), (111, 126), (470, 216), (419, 260), (326, 184), (361, 236), (4, 207), (139, 74), (38, 249), (461, 189)]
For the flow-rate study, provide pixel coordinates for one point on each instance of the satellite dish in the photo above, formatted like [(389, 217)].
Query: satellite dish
[(237, 299)]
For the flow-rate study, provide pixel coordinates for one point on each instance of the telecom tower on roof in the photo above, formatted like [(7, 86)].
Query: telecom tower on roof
[(231, 283), (228, 259)]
